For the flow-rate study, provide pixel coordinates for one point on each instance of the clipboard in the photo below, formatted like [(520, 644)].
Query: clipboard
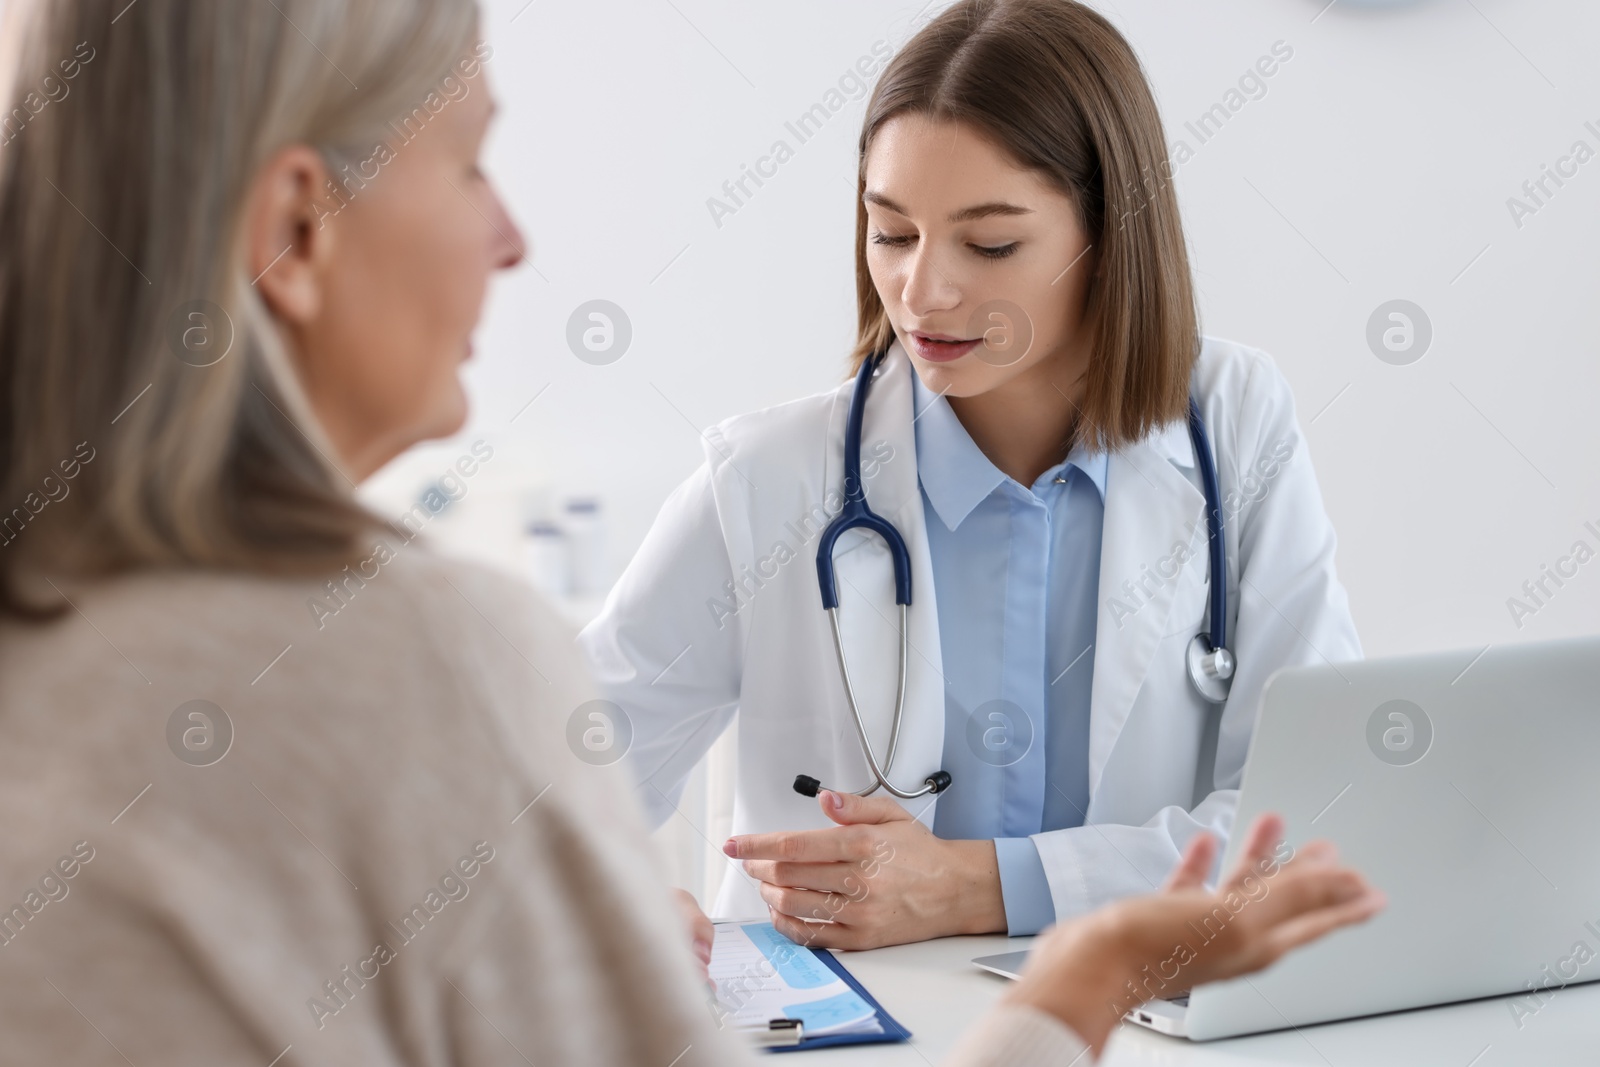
[(892, 1030)]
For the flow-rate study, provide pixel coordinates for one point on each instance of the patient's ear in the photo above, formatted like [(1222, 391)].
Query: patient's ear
[(289, 240)]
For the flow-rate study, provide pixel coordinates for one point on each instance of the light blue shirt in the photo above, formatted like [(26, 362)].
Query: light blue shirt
[(1016, 573)]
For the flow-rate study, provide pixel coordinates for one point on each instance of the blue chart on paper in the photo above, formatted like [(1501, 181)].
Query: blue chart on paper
[(797, 966), (820, 1015)]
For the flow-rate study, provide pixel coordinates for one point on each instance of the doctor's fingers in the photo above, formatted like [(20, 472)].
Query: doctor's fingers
[(821, 934), (848, 808), (835, 845), (845, 878), (810, 904)]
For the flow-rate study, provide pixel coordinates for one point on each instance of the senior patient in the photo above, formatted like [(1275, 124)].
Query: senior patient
[(281, 785)]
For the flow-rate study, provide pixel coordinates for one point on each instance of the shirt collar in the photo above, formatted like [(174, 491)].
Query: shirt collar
[(954, 472)]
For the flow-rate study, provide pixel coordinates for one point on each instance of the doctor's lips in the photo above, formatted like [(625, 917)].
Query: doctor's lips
[(941, 347)]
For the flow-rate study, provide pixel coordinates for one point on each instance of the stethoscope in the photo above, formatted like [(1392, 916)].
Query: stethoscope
[(1211, 665)]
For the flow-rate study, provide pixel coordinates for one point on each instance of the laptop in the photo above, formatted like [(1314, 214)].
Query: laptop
[(1460, 784)]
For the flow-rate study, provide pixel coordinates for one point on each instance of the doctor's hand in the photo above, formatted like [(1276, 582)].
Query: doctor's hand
[(1087, 971), (878, 878)]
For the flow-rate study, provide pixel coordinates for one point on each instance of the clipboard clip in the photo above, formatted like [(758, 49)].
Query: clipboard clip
[(775, 1033)]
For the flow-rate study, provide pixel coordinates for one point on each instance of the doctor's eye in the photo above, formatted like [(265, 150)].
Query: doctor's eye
[(892, 240), (998, 252)]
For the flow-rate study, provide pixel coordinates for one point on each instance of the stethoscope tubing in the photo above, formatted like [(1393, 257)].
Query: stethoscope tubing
[(1214, 527), (1210, 663)]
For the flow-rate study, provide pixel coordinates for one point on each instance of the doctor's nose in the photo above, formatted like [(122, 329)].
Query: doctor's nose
[(927, 287)]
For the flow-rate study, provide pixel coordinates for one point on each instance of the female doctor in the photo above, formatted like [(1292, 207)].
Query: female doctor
[(1054, 689)]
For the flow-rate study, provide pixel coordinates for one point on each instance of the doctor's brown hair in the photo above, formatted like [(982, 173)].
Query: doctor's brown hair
[(1058, 88)]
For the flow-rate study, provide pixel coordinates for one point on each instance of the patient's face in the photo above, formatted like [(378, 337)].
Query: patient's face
[(965, 242), (412, 251)]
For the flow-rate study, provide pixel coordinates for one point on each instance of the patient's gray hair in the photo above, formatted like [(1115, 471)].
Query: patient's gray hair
[(122, 270)]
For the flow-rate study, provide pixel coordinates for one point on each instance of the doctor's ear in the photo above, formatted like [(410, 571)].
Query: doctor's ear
[(288, 242)]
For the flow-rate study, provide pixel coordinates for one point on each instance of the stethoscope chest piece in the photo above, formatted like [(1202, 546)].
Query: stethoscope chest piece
[(1210, 669)]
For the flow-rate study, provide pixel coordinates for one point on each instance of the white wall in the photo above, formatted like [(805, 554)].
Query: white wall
[(1377, 166)]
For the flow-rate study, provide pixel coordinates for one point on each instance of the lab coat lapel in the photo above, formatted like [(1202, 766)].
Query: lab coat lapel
[(869, 617), (1151, 509)]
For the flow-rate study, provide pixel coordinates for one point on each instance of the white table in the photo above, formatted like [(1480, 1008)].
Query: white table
[(933, 989)]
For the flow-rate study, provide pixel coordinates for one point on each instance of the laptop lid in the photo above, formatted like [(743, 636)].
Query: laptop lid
[(1462, 785)]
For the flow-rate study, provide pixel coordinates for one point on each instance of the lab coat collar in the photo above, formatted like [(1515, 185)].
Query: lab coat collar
[(1171, 442)]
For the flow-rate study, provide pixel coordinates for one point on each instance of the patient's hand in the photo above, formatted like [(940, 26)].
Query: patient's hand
[(1089, 970), (699, 928)]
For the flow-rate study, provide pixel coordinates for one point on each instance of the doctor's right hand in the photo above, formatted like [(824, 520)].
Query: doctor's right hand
[(1087, 971)]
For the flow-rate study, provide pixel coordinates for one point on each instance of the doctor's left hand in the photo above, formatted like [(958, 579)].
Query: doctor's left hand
[(878, 878)]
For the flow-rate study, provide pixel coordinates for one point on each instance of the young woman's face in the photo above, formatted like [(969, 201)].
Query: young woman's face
[(981, 264), (399, 287)]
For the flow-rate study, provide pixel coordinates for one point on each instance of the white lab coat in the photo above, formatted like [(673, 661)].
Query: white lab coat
[(719, 612)]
